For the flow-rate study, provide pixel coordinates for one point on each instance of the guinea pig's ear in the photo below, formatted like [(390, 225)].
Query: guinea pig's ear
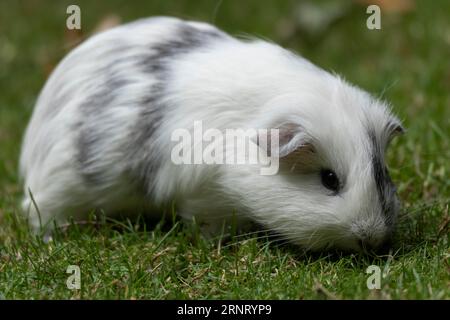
[(394, 129), (398, 130), (291, 139), (295, 148)]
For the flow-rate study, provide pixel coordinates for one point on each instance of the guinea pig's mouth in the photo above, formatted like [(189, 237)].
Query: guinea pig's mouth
[(382, 248), (358, 244), (367, 240), (367, 246)]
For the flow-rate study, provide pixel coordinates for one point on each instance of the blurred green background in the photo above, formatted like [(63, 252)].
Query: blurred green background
[(407, 62)]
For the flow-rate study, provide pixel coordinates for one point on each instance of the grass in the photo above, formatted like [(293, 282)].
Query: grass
[(407, 61)]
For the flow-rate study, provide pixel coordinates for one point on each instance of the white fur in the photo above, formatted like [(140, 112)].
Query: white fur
[(228, 84)]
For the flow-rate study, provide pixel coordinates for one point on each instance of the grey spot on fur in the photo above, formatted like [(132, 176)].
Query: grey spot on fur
[(94, 112), (139, 155), (145, 160), (187, 39), (385, 188), (90, 130)]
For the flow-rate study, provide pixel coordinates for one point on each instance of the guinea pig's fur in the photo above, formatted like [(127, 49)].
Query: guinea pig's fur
[(100, 136)]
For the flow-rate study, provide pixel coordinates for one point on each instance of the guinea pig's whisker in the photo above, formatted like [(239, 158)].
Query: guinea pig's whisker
[(253, 233), (260, 237), (247, 240), (284, 237)]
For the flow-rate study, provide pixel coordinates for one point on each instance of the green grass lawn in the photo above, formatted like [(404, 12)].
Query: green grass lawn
[(407, 62)]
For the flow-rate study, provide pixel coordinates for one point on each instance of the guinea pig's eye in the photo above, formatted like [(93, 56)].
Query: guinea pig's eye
[(329, 179)]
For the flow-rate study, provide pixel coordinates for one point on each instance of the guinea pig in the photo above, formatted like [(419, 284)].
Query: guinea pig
[(102, 137)]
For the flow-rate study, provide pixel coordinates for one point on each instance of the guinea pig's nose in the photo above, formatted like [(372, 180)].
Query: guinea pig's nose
[(367, 245), (385, 247)]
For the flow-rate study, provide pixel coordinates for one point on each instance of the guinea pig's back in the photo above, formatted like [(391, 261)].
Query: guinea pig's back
[(89, 141), (90, 79)]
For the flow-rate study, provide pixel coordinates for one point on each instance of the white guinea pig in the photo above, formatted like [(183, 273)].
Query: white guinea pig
[(100, 137)]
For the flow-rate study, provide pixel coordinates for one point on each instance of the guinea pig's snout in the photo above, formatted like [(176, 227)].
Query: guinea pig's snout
[(370, 244), (370, 237)]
